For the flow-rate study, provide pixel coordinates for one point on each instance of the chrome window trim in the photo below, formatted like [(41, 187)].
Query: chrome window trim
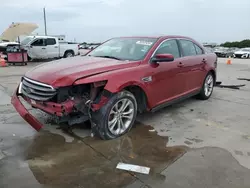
[(178, 47), (39, 83), (20, 88), (203, 52), (161, 44)]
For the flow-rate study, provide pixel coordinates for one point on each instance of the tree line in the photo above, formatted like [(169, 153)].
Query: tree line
[(237, 44)]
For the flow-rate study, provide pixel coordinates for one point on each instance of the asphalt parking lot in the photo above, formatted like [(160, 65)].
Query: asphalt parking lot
[(192, 144)]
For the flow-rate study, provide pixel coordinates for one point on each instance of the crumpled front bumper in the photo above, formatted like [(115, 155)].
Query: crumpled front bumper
[(15, 101), (58, 110)]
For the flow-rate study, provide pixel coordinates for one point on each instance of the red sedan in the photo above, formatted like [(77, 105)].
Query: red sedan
[(114, 81)]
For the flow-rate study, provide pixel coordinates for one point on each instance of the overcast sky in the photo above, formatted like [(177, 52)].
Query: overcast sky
[(98, 20)]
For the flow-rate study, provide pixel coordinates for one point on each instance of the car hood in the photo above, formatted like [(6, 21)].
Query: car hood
[(5, 44), (64, 72), (241, 52)]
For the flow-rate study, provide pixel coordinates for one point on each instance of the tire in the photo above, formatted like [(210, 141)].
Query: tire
[(106, 116), (207, 89), (68, 54), (29, 58)]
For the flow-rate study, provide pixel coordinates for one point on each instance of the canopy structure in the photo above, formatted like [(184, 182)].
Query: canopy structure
[(18, 29)]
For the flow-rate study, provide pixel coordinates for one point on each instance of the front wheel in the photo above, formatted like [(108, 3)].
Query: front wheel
[(117, 117), (207, 88)]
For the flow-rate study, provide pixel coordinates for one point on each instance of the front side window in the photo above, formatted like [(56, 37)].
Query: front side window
[(169, 47), (132, 49), (188, 48), (38, 42)]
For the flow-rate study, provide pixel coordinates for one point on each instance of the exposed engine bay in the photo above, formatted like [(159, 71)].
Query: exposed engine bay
[(72, 104), (86, 99)]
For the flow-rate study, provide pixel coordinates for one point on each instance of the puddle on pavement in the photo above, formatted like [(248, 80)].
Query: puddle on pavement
[(91, 162)]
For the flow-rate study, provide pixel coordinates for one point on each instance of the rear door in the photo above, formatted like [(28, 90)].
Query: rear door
[(193, 65), (37, 49), (52, 47)]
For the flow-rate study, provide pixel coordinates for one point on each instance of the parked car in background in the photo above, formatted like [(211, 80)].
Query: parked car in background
[(93, 46), (119, 78), (47, 47), (242, 53), (224, 52), (208, 49), (84, 46)]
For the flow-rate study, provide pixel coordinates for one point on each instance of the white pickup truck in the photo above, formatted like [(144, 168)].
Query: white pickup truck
[(48, 47)]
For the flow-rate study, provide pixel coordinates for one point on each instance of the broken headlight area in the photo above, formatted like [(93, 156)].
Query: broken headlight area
[(84, 99), (82, 92)]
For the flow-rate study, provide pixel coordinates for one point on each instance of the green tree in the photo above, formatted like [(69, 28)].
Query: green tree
[(238, 44)]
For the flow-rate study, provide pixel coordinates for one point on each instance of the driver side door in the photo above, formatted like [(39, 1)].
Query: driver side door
[(167, 76), (38, 49)]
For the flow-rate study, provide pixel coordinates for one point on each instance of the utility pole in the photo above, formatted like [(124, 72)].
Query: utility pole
[(45, 24)]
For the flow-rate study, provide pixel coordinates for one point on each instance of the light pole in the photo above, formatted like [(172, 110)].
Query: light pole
[(45, 24)]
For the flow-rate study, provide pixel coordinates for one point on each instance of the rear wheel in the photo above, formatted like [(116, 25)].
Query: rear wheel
[(207, 88), (117, 117), (68, 54)]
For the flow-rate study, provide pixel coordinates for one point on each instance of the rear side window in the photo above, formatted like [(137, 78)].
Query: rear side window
[(198, 50), (188, 48), (51, 41), (169, 47)]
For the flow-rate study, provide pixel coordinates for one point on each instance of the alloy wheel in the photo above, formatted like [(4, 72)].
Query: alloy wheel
[(121, 116), (209, 83), (69, 55)]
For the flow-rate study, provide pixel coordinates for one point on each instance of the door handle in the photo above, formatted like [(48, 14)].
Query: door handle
[(204, 61), (180, 64), (56, 46), (43, 48)]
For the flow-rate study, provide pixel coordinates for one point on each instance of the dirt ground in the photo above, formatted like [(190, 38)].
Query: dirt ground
[(192, 144)]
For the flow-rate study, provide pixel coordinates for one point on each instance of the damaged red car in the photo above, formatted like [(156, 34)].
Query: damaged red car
[(112, 83)]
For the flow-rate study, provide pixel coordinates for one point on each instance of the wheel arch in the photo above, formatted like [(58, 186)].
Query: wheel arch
[(140, 96), (69, 51), (214, 74)]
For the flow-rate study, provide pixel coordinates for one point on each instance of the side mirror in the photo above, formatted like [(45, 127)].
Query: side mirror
[(162, 58)]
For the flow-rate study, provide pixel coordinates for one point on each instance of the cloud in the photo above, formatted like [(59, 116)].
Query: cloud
[(96, 20)]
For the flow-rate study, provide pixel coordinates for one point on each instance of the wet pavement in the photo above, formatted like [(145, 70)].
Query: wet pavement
[(191, 144)]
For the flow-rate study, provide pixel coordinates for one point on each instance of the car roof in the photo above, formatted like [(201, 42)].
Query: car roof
[(153, 36), (157, 36), (40, 36)]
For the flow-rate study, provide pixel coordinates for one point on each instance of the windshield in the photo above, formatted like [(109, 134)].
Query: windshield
[(26, 40), (133, 49), (246, 50)]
